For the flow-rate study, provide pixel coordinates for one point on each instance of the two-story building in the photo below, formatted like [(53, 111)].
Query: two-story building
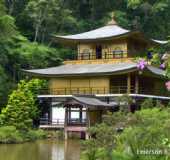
[(105, 67)]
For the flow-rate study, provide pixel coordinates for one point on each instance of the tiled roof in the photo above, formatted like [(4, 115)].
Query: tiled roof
[(105, 32), (92, 101), (91, 69)]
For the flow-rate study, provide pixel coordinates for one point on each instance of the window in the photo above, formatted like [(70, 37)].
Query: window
[(117, 53), (98, 52), (86, 54)]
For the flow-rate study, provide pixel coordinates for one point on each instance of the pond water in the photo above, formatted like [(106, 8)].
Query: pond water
[(41, 150)]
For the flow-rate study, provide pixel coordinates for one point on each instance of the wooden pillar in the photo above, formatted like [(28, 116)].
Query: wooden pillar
[(66, 117), (128, 83), (50, 116), (80, 114), (65, 124), (87, 118), (69, 115), (136, 84), (87, 123)]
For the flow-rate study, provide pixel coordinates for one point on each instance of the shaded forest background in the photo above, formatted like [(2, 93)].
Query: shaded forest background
[(27, 27)]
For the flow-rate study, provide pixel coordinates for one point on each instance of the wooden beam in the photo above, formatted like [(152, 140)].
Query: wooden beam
[(87, 124), (65, 124), (50, 118), (80, 115), (136, 84), (87, 118), (66, 117), (128, 83)]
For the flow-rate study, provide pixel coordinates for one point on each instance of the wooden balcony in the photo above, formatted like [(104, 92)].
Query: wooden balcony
[(89, 58), (101, 90), (117, 54), (86, 90), (47, 123)]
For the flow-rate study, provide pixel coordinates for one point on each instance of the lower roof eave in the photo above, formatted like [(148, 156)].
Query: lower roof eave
[(83, 74), (134, 95), (54, 96), (108, 95)]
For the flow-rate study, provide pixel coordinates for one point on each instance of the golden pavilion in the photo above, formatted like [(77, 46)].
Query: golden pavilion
[(82, 89)]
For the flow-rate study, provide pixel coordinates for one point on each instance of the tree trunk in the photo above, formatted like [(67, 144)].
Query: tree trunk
[(36, 32)]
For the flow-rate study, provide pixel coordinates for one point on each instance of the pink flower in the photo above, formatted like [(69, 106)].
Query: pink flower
[(162, 66), (141, 64), (167, 84)]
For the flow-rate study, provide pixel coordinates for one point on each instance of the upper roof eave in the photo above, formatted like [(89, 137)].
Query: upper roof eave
[(105, 33), (91, 70), (70, 41)]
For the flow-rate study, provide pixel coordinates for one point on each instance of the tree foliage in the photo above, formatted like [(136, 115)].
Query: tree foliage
[(122, 136), (21, 108)]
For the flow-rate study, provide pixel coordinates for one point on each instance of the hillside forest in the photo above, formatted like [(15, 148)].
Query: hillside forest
[(27, 28)]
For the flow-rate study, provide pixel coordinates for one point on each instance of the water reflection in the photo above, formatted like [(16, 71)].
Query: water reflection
[(41, 150)]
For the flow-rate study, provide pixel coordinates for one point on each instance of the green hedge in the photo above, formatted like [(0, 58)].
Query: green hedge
[(9, 134)]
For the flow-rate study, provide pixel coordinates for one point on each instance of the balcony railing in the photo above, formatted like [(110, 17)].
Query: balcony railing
[(92, 56), (47, 121), (76, 121), (101, 90), (87, 90)]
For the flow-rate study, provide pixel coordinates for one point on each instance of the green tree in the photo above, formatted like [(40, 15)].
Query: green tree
[(21, 108), (49, 17), (122, 136)]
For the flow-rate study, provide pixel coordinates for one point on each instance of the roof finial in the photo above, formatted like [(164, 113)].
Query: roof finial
[(112, 21)]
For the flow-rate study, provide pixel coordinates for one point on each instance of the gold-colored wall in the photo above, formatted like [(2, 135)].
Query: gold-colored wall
[(86, 48), (131, 48), (107, 48), (79, 85)]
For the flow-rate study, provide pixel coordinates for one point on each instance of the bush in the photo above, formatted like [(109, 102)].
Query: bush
[(149, 131), (35, 134), (22, 107), (147, 103), (9, 134), (145, 129)]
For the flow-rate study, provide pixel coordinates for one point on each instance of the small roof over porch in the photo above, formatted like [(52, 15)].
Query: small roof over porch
[(88, 102)]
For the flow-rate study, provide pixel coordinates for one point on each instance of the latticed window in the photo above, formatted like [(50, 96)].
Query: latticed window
[(86, 54), (117, 53)]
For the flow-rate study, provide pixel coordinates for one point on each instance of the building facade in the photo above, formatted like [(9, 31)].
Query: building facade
[(104, 67)]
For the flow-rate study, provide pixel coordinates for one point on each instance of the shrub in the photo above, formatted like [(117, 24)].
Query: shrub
[(32, 135), (21, 108), (145, 129), (147, 103), (9, 134), (149, 132)]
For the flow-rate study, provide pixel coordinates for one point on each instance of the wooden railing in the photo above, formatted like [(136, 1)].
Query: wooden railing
[(87, 90), (92, 56), (101, 90), (47, 121), (76, 121)]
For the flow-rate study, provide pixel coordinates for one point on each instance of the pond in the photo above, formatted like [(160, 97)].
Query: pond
[(41, 150)]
